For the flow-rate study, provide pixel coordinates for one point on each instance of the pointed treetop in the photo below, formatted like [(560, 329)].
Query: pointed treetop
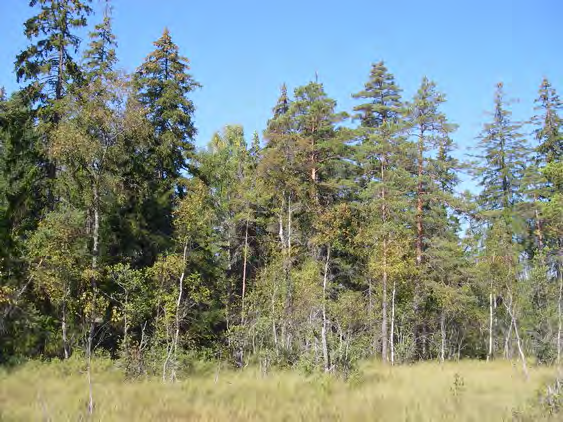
[(282, 105), (49, 63), (383, 98), (549, 133), (100, 57)]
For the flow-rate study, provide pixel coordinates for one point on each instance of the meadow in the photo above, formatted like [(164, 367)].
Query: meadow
[(462, 391)]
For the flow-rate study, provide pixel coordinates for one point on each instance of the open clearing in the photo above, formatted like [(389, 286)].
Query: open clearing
[(465, 391)]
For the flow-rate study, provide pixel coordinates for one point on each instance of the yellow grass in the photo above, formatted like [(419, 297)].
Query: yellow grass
[(57, 391)]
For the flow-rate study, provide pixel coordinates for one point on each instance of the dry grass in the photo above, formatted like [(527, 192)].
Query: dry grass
[(57, 391)]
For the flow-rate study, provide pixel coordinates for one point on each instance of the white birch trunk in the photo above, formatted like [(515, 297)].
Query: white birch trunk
[(511, 312)]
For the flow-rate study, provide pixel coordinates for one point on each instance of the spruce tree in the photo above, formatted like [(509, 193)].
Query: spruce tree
[(22, 182), (50, 62), (503, 154), (548, 132), (50, 67), (100, 58), (164, 85), (503, 158), (545, 190)]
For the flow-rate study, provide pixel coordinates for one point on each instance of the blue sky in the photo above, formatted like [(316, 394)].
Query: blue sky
[(242, 51)]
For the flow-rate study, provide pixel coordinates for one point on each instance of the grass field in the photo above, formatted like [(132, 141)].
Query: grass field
[(465, 391)]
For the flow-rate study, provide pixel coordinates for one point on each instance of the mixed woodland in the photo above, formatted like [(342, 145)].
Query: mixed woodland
[(331, 237)]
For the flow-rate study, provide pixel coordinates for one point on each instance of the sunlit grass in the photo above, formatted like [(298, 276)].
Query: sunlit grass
[(464, 391)]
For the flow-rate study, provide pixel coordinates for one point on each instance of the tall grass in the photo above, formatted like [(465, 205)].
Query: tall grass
[(464, 391)]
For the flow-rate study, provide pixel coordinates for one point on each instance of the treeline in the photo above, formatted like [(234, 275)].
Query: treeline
[(339, 236)]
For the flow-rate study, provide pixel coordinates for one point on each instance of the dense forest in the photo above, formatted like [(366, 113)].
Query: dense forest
[(331, 237)]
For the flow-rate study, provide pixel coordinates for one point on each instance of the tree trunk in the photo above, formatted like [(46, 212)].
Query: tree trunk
[(274, 329), (66, 346), (94, 285), (507, 342), (326, 356), (125, 323), (245, 259), (171, 356), (539, 228), (419, 234), (392, 333), (370, 313), (510, 309), (384, 306), (89, 370), (559, 310), (177, 316), (490, 353), (443, 333), (385, 274)]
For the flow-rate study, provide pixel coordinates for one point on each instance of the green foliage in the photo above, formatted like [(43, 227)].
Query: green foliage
[(49, 63), (333, 241)]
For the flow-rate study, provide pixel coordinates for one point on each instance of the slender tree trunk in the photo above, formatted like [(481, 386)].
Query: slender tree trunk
[(326, 356), (490, 353), (288, 321), (419, 234), (245, 259), (560, 310), (384, 333), (94, 284), (510, 309), (370, 313), (171, 354), (242, 305), (539, 228), (89, 370), (280, 232), (126, 324), (60, 69), (443, 332), (177, 316), (384, 306), (66, 347), (507, 342), (289, 217), (274, 329), (392, 333)]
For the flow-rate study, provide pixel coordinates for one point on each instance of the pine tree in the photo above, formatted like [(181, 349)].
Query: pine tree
[(381, 155), (445, 264), (431, 131)]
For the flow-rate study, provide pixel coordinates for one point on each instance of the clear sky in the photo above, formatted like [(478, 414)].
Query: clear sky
[(242, 51)]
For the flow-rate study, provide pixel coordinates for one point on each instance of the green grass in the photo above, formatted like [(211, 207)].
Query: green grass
[(57, 391)]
